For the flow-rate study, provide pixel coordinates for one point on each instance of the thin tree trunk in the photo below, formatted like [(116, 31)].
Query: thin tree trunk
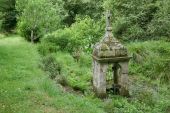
[(32, 36)]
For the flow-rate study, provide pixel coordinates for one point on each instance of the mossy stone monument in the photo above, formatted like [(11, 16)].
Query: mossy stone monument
[(109, 51)]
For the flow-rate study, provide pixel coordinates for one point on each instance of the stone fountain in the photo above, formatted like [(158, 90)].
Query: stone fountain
[(109, 51)]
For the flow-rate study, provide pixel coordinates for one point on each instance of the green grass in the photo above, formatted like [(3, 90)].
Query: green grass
[(151, 59), (79, 77), (24, 88)]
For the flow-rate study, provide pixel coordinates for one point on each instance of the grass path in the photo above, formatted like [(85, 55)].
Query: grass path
[(24, 88)]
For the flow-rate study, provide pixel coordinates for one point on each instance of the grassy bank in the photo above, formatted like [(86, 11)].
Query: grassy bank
[(25, 88), (148, 77)]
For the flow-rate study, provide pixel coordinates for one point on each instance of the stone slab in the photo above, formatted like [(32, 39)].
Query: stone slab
[(112, 60)]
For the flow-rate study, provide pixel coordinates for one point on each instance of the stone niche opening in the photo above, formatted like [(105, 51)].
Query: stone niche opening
[(110, 54), (112, 75)]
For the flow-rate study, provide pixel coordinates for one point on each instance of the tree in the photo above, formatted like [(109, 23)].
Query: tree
[(159, 26), (140, 19), (92, 8), (38, 18)]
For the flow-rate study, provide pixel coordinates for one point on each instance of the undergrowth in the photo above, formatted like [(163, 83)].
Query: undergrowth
[(149, 78), (26, 88), (151, 59)]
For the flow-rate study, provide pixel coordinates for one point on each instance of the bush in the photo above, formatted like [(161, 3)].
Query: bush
[(82, 35), (51, 66), (60, 39), (47, 48)]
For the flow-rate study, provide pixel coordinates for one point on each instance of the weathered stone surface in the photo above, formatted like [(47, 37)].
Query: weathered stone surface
[(123, 79), (110, 51), (99, 78)]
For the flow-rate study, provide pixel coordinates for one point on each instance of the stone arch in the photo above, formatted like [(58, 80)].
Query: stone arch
[(115, 69)]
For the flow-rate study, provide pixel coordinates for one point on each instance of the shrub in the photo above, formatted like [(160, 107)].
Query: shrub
[(51, 66), (47, 48), (82, 35), (60, 39)]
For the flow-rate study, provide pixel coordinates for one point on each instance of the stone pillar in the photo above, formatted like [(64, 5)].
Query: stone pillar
[(99, 78), (123, 79)]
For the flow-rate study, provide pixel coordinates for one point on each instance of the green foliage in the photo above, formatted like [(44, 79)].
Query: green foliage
[(38, 18), (151, 59), (21, 5), (82, 35), (77, 77), (146, 97), (132, 20), (60, 39), (85, 60), (162, 68), (64, 68), (161, 22), (92, 8), (7, 15), (50, 65), (119, 105), (66, 59), (139, 20), (47, 48)]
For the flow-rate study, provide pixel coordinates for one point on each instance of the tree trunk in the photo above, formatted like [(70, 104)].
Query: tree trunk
[(32, 36)]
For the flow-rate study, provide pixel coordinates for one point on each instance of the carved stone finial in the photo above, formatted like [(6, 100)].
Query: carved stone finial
[(108, 34), (108, 18)]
